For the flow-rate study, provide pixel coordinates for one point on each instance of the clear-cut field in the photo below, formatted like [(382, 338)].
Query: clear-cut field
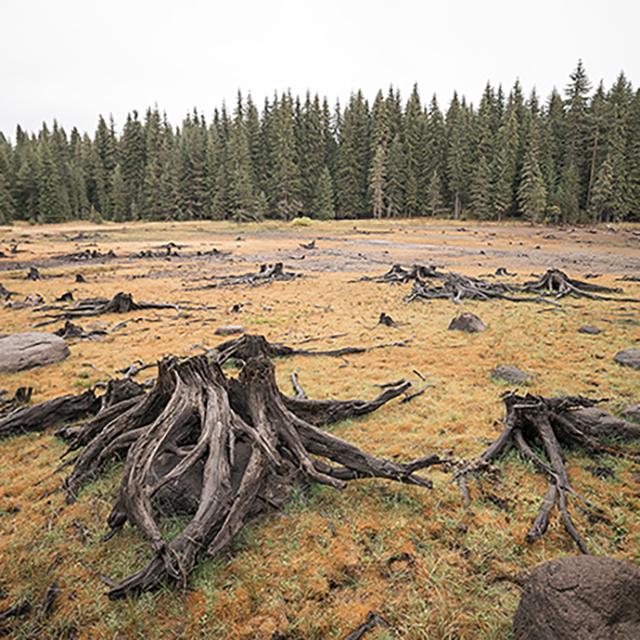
[(415, 557)]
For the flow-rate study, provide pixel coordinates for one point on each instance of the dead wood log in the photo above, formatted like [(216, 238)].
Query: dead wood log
[(86, 255), (558, 284), (456, 287), (251, 346), (71, 330), (222, 450), (21, 397), (266, 274), (539, 428), (120, 303), (47, 414)]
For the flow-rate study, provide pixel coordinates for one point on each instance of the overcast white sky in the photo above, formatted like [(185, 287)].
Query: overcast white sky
[(74, 59)]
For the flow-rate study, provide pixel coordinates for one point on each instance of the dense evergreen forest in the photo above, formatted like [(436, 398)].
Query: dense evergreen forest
[(573, 158)]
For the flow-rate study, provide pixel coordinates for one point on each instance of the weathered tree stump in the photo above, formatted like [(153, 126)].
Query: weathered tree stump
[(533, 421), (223, 450)]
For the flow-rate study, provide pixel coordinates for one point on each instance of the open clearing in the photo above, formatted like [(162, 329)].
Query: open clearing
[(416, 557)]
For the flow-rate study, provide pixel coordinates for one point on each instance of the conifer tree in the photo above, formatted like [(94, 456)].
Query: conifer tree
[(532, 193), (456, 154), (118, 192), (481, 189), (396, 179), (323, 207), (286, 177), (435, 194), (377, 182), (353, 159), (601, 200)]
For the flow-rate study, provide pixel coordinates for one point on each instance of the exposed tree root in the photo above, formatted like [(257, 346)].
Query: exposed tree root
[(266, 274), (431, 284), (250, 346), (533, 422), (120, 303), (221, 450), (456, 287), (558, 284), (400, 275), (48, 414), (373, 620)]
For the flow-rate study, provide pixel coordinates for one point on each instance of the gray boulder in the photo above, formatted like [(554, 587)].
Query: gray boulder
[(27, 350), (510, 373), (468, 322), (580, 598), (589, 329), (628, 358)]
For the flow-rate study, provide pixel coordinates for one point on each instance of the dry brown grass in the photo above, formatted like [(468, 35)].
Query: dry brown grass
[(316, 570)]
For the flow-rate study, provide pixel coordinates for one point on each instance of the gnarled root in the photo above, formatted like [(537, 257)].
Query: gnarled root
[(533, 422)]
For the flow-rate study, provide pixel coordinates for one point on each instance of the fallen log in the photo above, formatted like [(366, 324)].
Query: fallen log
[(533, 422), (47, 414)]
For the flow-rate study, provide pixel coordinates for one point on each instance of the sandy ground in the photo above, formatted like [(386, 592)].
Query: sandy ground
[(316, 570)]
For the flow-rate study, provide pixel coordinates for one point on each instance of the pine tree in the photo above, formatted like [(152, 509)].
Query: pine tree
[(456, 154), (574, 178), (413, 132), (323, 207), (133, 164), (435, 194), (601, 200), (353, 159), (118, 192), (377, 182), (532, 193), (286, 177), (241, 196), (481, 189)]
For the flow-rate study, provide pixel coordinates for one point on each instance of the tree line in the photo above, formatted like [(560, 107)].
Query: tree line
[(573, 158)]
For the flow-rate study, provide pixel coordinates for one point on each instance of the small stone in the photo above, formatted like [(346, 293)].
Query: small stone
[(589, 329), (229, 330), (628, 358), (510, 373), (468, 322)]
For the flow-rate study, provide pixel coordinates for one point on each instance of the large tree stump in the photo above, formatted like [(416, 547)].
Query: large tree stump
[(222, 450)]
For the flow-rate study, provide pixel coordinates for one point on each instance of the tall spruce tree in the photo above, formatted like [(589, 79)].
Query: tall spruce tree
[(323, 206)]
